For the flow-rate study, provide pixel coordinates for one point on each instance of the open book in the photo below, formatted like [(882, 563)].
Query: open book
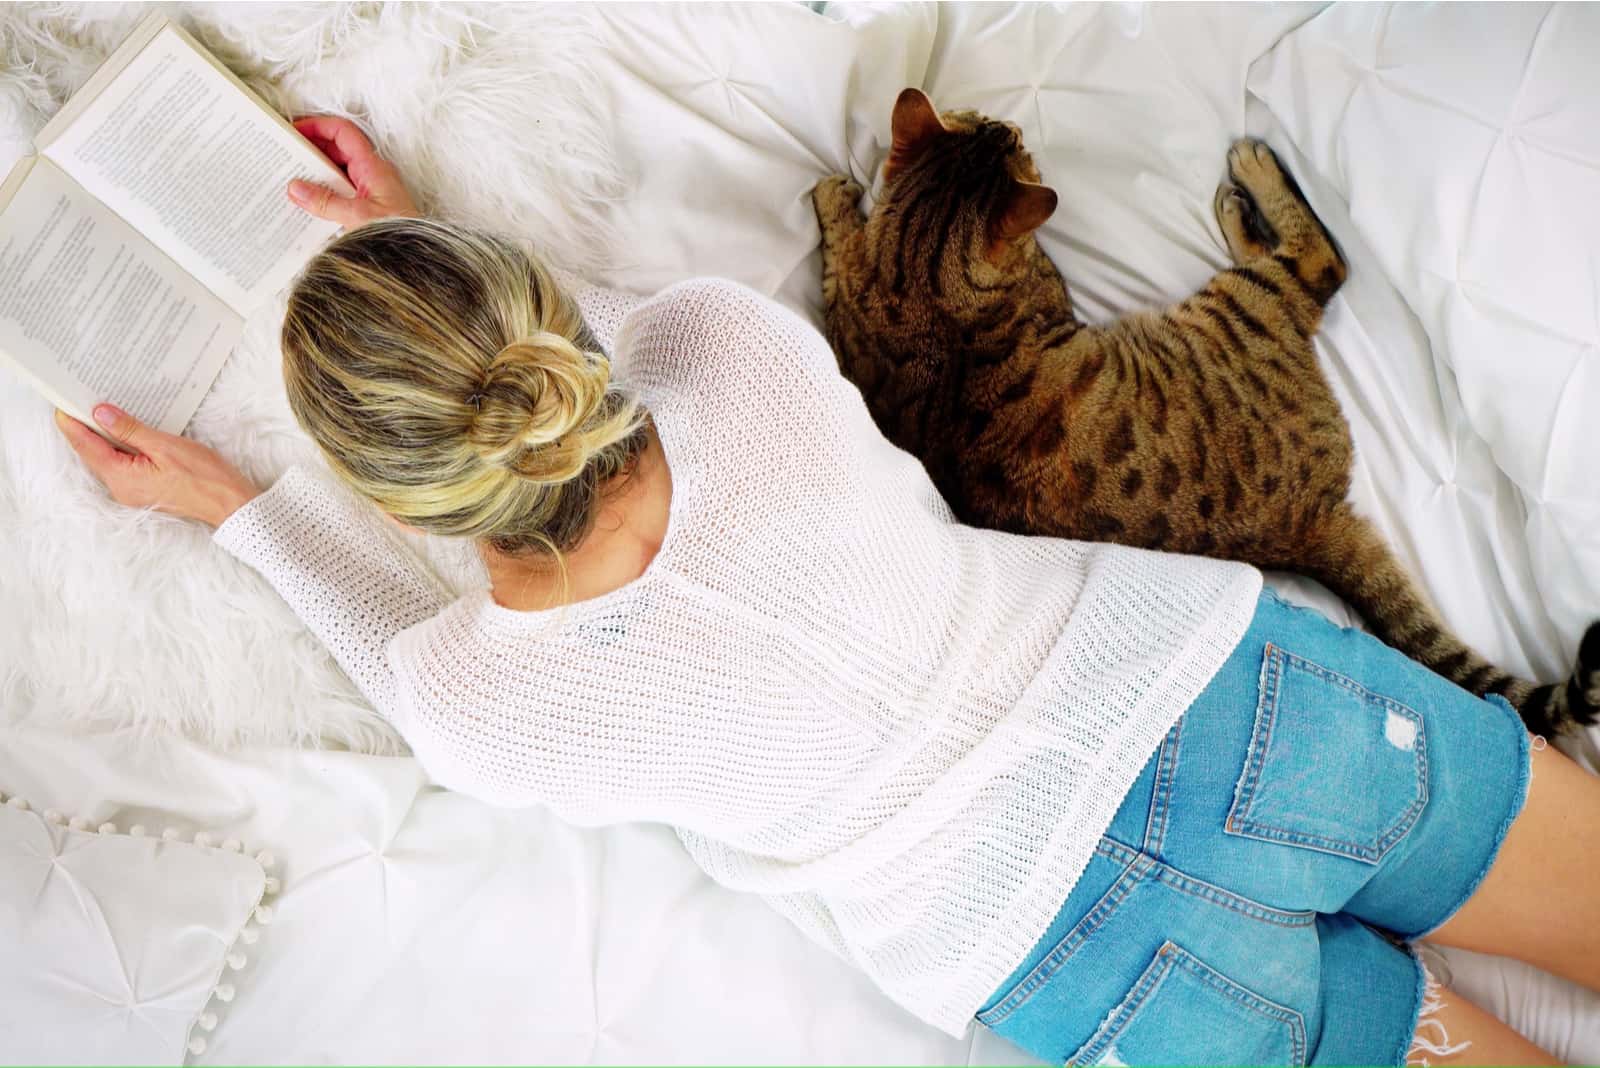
[(153, 220)]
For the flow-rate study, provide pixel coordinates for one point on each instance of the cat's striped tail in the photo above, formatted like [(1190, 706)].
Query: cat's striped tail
[(1353, 560)]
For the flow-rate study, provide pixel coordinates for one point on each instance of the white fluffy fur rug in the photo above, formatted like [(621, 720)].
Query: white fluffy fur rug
[(110, 617)]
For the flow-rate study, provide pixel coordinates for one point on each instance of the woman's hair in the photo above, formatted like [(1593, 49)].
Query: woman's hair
[(447, 377)]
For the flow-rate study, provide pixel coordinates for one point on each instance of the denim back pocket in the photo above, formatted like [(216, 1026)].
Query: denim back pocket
[(1183, 1012), (1331, 766)]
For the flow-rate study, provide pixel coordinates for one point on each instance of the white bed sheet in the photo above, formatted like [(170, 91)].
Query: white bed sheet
[(416, 925)]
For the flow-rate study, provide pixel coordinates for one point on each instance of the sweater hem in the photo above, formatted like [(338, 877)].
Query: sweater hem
[(1036, 907)]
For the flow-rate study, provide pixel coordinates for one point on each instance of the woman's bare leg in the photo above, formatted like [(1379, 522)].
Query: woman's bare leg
[(1458, 1032), (1543, 890)]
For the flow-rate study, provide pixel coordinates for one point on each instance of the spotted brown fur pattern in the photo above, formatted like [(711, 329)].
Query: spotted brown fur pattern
[(1206, 427)]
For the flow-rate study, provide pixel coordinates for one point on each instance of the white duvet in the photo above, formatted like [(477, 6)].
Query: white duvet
[(1453, 151)]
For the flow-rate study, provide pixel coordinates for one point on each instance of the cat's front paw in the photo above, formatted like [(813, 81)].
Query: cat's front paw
[(1283, 220), (1255, 166), (835, 192), (1243, 229)]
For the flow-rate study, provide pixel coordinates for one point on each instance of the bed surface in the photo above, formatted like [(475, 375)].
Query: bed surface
[(1452, 151)]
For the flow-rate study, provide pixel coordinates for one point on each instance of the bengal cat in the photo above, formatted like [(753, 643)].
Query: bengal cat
[(1206, 428)]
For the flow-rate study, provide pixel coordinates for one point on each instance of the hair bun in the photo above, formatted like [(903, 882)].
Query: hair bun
[(539, 397)]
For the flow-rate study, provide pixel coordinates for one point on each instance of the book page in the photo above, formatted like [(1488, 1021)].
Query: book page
[(196, 163), (90, 311)]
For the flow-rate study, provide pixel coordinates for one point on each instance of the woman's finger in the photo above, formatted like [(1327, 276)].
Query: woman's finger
[(128, 431), (321, 144), (324, 203), (325, 147), (97, 454), (343, 142), (339, 139), (371, 174)]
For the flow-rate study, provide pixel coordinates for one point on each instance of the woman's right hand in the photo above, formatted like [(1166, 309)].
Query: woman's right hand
[(155, 470), (380, 193)]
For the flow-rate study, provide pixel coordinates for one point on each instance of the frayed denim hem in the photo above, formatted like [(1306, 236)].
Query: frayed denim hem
[(1525, 749), (1429, 1037)]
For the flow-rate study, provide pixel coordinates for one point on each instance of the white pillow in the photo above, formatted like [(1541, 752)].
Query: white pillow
[(1466, 141), (115, 943)]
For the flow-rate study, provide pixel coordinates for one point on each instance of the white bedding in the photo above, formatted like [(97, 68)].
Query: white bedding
[(1454, 143)]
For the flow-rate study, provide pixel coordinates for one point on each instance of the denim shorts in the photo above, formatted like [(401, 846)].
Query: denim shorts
[(1324, 801)]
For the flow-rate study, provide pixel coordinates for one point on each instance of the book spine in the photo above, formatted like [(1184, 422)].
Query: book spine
[(14, 180)]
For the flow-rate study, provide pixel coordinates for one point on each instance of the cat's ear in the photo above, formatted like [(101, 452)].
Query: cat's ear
[(1022, 211), (914, 125)]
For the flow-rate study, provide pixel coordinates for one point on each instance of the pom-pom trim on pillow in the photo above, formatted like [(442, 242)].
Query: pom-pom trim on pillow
[(236, 957)]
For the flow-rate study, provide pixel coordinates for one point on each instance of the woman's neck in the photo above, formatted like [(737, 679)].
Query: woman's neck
[(625, 537)]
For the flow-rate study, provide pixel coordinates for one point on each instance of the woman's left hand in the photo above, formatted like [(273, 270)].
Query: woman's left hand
[(380, 194), (163, 471)]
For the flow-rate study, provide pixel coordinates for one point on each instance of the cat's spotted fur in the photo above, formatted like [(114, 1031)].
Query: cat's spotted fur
[(1206, 427)]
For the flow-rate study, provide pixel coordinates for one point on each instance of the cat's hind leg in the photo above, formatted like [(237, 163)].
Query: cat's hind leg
[(1289, 228)]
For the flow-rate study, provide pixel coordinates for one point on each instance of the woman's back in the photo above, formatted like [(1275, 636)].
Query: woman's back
[(907, 734)]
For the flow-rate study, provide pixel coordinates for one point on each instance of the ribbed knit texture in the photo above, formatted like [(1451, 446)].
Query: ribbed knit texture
[(906, 734)]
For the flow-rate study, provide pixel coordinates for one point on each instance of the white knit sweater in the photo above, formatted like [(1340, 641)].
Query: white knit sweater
[(906, 734)]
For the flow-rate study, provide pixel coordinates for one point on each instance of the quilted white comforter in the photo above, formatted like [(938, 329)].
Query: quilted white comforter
[(1453, 151)]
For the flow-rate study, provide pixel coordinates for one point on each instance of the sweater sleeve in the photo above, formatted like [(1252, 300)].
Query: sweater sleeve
[(349, 580)]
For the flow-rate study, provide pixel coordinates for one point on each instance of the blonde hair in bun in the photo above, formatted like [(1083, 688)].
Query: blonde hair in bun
[(535, 405), (446, 377)]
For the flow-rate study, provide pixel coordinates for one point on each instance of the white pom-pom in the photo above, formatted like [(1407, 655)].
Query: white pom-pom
[(266, 859), (197, 1045), (78, 823), (52, 816), (249, 935), (263, 914), (18, 803), (224, 992), (137, 830), (108, 828), (233, 845), (207, 1021), (202, 839), (273, 885), (237, 960), (170, 835)]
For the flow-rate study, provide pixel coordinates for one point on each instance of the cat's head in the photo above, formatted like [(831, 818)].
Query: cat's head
[(968, 172)]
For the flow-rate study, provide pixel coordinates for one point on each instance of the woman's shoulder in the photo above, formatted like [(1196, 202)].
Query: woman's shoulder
[(718, 328), (722, 304), (609, 312), (705, 289)]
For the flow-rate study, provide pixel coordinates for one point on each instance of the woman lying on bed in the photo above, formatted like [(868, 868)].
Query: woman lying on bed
[(1119, 806)]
